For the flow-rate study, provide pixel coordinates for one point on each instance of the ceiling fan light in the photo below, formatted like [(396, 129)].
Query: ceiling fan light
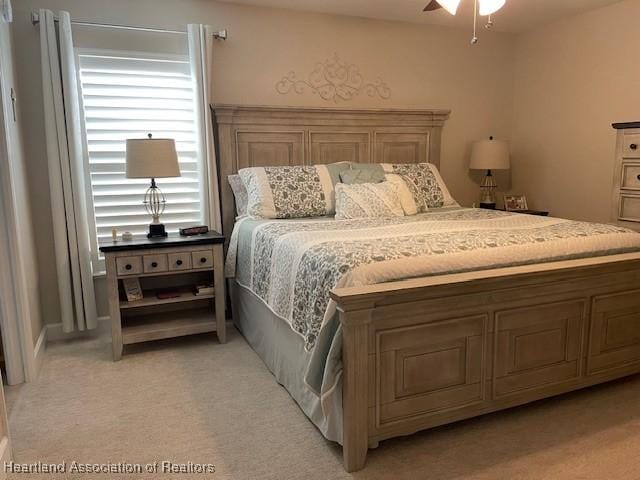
[(450, 6), (488, 7)]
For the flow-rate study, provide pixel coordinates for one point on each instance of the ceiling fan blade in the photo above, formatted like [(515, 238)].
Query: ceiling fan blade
[(433, 5)]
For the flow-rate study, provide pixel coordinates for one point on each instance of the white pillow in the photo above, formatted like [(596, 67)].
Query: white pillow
[(289, 191), (239, 193), (425, 184), (406, 197), (367, 200)]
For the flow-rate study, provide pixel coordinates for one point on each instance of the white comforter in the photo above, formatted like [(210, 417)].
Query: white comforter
[(293, 264)]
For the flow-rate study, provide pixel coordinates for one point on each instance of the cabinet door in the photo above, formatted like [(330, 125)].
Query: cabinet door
[(615, 331), (538, 346), (427, 369)]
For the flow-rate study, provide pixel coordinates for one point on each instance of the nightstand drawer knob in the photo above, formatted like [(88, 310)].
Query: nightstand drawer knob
[(638, 177), (633, 146), (178, 262), (128, 266), (203, 259), (154, 264)]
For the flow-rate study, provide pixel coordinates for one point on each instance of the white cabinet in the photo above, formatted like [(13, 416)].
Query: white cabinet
[(626, 182)]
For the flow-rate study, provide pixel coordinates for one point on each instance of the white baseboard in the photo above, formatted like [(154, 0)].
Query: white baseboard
[(56, 334), (39, 350)]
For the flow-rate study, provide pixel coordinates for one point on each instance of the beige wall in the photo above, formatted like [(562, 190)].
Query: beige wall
[(29, 284), (426, 67), (572, 80)]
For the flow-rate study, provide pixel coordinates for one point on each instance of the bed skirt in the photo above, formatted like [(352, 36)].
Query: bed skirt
[(282, 350)]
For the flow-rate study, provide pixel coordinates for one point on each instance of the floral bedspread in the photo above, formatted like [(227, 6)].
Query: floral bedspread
[(292, 265)]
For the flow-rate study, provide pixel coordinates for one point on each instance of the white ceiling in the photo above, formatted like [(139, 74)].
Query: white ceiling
[(516, 16)]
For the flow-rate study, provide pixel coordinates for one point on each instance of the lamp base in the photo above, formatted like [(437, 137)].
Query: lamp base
[(156, 230), (488, 206), (488, 197)]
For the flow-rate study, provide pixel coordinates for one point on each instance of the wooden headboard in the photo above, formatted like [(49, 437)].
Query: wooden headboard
[(269, 136)]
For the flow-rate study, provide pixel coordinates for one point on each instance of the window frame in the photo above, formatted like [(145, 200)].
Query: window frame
[(97, 260)]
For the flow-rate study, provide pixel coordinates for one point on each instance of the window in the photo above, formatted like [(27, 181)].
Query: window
[(127, 96)]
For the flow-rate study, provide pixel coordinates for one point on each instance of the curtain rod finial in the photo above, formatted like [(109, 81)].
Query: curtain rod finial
[(221, 35)]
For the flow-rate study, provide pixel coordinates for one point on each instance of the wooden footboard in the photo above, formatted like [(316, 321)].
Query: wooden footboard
[(426, 352)]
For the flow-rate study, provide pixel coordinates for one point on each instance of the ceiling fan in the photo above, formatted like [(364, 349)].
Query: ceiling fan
[(487, 7), (481, 7)]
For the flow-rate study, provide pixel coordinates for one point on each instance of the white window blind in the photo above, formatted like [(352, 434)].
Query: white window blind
[(129, 97)]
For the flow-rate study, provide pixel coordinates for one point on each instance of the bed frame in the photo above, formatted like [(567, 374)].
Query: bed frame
[(430, 351)]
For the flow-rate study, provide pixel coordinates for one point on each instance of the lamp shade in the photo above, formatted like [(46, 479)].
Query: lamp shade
[(490, 155), (152, 158)]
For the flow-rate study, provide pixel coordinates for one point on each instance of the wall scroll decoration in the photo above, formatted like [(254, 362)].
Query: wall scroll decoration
[(335, 81)]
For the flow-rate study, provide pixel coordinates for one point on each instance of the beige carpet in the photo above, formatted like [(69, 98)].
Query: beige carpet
[(195, 400)]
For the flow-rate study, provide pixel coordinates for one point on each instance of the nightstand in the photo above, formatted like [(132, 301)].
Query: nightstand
[(539, 213), (168, 270)]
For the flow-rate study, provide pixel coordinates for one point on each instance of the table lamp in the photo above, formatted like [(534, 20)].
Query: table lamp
[(153, 158), (489, 155)]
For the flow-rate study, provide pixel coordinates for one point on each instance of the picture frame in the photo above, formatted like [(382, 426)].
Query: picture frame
[(515, 203)]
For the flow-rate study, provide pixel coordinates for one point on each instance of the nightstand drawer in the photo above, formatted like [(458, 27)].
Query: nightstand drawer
[(155, 263), (129, 265), (631, 176), (630, 208), (202, 259), (631, 147), (180, 261)]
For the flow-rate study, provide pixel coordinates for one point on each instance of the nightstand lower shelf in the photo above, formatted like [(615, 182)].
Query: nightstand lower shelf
[(146, 328), (150, 298)]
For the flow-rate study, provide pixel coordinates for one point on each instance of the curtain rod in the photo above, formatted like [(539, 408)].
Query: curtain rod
[(220, 35)]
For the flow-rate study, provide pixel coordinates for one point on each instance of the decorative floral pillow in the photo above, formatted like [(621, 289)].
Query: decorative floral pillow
[(239, 193), (424, 183), (288, 192), (367, 200)]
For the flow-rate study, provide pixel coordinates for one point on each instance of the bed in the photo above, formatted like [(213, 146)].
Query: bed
[(414, 322)]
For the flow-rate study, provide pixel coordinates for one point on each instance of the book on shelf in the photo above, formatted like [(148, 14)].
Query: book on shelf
[(203, 290), (132, 289)]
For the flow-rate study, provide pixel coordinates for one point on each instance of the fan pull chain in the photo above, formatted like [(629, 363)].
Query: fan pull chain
[(489, 24), (474, 40)]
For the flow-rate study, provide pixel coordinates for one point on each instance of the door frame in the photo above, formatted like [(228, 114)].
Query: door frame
[(15, 321)]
